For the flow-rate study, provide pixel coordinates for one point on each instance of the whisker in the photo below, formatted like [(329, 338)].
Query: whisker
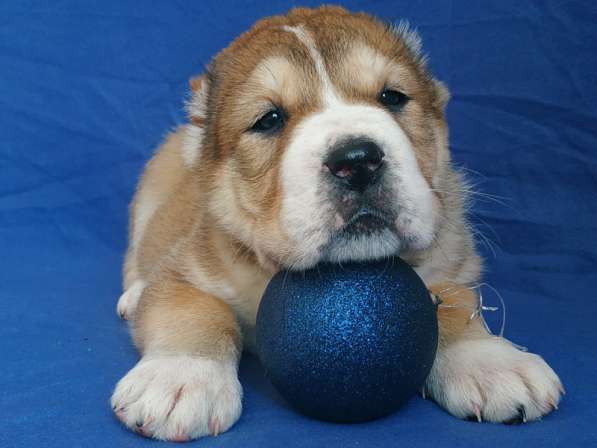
[(485, 240)]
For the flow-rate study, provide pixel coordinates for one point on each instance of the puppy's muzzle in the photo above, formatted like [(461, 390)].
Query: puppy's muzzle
[(356, 164)]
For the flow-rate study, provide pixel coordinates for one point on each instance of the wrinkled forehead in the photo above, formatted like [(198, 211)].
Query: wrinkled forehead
[(299, 67)]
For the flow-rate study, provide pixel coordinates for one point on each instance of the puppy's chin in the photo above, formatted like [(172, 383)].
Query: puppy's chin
[(364, 237), (347, 246)]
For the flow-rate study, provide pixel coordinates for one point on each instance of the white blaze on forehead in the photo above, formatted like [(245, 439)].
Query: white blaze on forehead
[(329, 93)]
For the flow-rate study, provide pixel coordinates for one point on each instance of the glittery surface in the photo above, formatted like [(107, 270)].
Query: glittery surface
[(348, 342)]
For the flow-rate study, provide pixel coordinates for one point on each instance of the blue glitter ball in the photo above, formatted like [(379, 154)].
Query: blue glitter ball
[(349, 342)]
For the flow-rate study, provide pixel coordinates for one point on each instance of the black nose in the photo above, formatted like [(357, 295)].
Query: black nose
[(356, 163)]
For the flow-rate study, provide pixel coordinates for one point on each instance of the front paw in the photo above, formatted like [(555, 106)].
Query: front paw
[(179, 398), (489, 379)]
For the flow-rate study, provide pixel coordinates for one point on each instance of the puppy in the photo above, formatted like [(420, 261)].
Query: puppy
[(319, 135)]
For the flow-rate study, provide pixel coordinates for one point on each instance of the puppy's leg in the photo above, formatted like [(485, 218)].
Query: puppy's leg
[(484, 377), (162, 174), (185, 386)]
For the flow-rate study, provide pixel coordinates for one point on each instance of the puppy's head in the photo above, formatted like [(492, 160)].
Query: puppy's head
[(320, 136)]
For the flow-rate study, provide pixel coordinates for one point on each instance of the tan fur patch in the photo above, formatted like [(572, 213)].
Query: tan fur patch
[(175, 317)]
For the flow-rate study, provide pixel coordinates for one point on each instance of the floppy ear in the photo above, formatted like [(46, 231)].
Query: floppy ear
[(195, 82), (197, 110), (197, 107), (442, 94)]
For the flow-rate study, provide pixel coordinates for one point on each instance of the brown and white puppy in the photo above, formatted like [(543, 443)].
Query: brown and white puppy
[(319, 135)]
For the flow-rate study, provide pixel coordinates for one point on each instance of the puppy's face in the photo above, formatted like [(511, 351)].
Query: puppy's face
[(327, 135)]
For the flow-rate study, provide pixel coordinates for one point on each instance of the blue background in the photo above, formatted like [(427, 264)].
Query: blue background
[(88, 89)]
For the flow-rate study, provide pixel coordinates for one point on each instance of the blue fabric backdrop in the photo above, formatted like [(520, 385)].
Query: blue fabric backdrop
[(88, 89)]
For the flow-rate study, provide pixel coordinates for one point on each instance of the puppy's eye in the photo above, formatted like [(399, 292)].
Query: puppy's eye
[(272, 121), (393, 99)]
